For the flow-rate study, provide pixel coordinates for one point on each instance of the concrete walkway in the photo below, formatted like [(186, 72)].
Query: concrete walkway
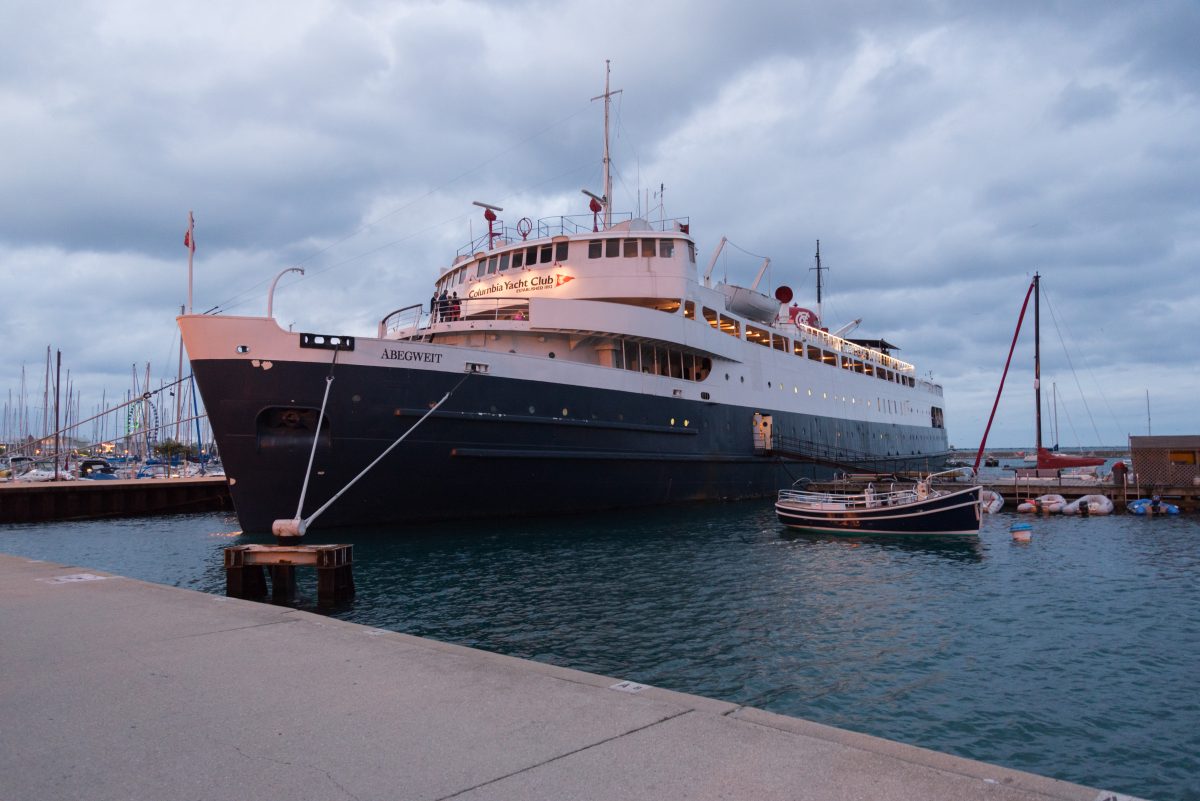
[(112, 688)]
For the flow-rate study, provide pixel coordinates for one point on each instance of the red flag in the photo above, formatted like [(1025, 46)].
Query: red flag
[(189, 241)]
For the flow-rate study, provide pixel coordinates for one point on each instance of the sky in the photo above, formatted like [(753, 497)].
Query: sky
[(941, 152)]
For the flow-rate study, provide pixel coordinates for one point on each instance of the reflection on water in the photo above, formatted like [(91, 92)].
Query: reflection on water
[(1073, 656), (960, 548)]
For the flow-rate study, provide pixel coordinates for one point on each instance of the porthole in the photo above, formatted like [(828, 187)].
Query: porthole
[(564, 412), (672, 421), (685, 423), (246, 349), (743, 379), (532, 410), (356, 398), (551, 354)]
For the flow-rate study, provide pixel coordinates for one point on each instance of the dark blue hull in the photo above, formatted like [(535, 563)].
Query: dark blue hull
[(505, 447)]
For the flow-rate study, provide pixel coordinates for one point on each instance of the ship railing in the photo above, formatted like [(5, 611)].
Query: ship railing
[(401, 323), (847, 348), (471, 309), (869, 498), (502, 234)]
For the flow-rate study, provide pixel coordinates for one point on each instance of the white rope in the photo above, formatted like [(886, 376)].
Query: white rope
[(304, 524), (316, 438)]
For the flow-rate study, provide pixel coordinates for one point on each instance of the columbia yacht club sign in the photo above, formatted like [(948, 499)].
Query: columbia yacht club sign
[(533, 283)]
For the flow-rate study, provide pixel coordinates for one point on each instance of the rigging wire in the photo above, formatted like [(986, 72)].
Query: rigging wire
[(1075, 376)]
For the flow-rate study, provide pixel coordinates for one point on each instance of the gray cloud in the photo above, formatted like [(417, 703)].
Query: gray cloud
[(940, 155)]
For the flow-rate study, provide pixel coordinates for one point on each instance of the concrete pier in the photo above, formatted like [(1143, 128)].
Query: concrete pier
[(112, 688)]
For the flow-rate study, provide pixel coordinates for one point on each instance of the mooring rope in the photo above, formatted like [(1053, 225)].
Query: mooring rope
[(297, 526), (317, 434)]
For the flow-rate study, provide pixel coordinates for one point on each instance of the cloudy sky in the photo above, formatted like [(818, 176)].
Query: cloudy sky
[(941, 152)]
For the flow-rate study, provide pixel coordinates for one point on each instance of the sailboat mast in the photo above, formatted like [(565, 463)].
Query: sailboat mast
[(1037, 355)]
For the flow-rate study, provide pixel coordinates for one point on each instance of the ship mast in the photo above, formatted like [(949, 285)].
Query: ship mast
[(818, 268), (607, 171)]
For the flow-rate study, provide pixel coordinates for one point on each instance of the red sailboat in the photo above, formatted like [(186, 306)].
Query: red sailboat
[(1046, 459)]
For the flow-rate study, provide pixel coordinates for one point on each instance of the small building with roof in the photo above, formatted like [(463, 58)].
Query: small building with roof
[(1168, 461)]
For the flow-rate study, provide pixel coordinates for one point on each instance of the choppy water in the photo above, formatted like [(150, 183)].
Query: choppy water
[(1075, 656)]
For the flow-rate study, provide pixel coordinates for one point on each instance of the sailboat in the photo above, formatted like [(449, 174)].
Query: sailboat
[(1046, 459)]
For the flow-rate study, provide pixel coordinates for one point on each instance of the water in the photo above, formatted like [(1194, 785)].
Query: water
[(1074, 656)]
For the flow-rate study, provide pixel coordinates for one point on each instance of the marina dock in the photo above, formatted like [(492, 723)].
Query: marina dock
[(112, 688), (33, 502)]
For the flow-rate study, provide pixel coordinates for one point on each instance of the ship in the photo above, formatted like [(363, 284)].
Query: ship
[(574, 364)]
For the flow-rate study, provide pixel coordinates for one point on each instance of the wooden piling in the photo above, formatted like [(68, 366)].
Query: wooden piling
[(244, 576)]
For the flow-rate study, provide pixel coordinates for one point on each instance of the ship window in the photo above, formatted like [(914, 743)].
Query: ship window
[(798, 348), (545, 255), (675, 364), (731, 326), (629, 250), (482, 268), (666, 248), (692, 252), (503, 261), (560, 251), (757, 336), (779, 343), (689, 309), (828, 358), (648, 247), (595, 248), (531, 255), (462, 274), (612, 248), (710, 316), (518, 258), (814, 354), (936, 417), (491, 265)]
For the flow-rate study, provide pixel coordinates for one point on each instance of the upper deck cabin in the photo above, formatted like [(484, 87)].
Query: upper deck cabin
[(634, 262), (566, 255)]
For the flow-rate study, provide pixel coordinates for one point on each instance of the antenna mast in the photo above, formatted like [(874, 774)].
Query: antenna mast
[(607, 171), (818, 268)]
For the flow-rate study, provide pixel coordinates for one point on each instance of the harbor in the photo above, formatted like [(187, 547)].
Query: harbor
[(160, 692), (1069, 656), (537, 431)]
